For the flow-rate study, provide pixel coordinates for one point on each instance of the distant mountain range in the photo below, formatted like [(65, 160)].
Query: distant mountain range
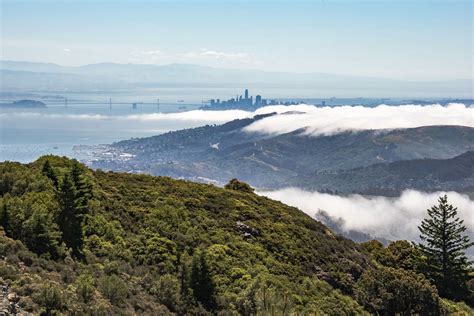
[(32, 76), (371, 162)]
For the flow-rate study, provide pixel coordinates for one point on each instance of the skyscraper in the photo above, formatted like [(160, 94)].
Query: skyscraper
[(258, 100), (246, 94)]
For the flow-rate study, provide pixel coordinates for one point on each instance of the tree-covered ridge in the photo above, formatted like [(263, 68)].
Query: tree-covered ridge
[(78, 241), (349, 162)]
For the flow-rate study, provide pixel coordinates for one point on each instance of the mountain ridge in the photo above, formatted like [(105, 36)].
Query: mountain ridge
[(226, 151), (145, 75)]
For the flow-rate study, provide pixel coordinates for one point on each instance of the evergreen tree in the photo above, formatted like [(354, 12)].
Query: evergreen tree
[(4, 215), (201, 283), (70, 216), (82, 185), (49, 172), (443, 246)]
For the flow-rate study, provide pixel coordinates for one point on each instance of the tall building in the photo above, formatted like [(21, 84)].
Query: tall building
[(246, 94), (258, 100)]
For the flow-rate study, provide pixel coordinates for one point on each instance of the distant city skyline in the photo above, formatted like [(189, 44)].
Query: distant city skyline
[(409, 40)]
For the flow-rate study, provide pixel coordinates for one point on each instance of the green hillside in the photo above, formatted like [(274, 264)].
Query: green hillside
[(219, 153), (76, 241), (390, 179)]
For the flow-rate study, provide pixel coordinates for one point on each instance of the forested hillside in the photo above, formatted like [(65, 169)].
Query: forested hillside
[(78, 241), (390, 179), (219, 153)]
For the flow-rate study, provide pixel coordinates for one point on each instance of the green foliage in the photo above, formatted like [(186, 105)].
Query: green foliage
[(31, 219), (82, 185), (455, 308), (70, 216), (51, 298), (389, 291), (160, 252), (443, 247), (399, 254), (113, 288), (201, 282), (237, 185), (167, 289), (48, 171), (153, 245), (85, 288)]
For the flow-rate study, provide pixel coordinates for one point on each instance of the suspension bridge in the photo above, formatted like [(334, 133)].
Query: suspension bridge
[(110, 103)]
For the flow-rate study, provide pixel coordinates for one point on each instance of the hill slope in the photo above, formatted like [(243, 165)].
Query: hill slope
[(150, 243), (389, 179), (76, 241), (219, 153)]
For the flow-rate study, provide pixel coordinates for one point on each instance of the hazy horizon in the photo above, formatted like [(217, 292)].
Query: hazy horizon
[(353, 38), (230, 68)]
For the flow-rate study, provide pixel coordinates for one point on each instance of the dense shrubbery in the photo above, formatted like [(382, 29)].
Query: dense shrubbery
[(393, 291), (83, 242)]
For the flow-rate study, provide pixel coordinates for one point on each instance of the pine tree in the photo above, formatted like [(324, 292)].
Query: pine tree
[(443, 246), (83, 187), (49, 172), (70, 216), (201, 283)]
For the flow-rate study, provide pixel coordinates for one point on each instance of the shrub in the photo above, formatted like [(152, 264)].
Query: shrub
[(167, 290), (85, 288), (113, 288), (237, 185), (390, 291), (51, 298)]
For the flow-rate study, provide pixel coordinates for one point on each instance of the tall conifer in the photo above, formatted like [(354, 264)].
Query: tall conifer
[(443, 246)]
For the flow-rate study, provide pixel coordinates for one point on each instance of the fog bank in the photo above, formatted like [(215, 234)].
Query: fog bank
[(332, 120), (390, 218), (315, 120)]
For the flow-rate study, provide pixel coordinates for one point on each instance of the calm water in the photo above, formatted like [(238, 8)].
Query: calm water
[(28, 134)]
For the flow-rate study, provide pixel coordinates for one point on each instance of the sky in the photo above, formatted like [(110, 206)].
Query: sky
[(410, 40)]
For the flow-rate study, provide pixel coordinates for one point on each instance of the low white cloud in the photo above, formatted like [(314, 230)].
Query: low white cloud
[(119, 126), (213, 117), (391, 218), (220, 55), (331, 120), (314, 120), (224, 55), (200, 56)]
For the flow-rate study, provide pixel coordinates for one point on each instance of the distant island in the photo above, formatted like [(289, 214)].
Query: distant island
[(24, 104)]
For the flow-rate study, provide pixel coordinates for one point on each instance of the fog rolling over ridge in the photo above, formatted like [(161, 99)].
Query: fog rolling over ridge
[(315, 120), (313, 148), (206, 157), (333, 120), (390, 218)]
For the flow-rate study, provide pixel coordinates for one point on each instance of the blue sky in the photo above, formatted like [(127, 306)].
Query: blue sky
[(430, 40)]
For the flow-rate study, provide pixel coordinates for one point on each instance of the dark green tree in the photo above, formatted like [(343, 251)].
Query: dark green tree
[(82, 185), (443, 247), (3, 215), (48, 171), (201, 283), (237, 185), (70, 216), (390, 291), (41, 233)]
